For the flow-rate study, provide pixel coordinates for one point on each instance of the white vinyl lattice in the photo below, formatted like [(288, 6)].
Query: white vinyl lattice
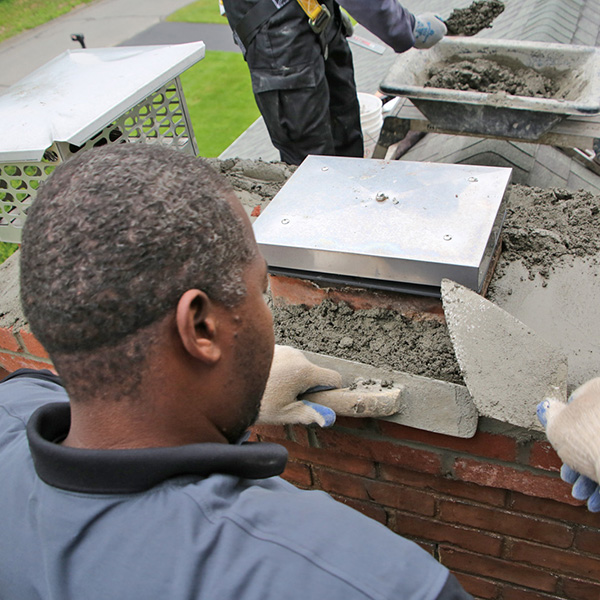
[(161, 118)]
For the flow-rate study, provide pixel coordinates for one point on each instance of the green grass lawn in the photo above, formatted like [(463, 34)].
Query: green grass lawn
[(203, 11), (220, 101), (6, 250), (217, 90), (17, 16)]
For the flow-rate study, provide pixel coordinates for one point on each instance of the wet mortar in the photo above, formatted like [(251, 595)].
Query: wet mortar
[(545, 229), (473, 19), (484, 75), (488, 76)]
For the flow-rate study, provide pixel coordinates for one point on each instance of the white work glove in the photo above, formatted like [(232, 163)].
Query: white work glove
[(291, 375), (429, 29), (573, 429)]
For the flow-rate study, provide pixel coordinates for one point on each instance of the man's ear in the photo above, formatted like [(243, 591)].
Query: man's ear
[(197, 324)]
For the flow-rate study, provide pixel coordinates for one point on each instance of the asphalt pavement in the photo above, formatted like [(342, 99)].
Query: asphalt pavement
[(105, 23)]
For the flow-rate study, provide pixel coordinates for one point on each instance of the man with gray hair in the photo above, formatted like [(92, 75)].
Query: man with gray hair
[(141, 276)]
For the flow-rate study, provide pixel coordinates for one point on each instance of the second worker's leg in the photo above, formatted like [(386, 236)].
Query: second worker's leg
[(343, 104), (298, 121)]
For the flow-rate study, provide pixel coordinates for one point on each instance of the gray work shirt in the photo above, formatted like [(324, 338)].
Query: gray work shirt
[(199, 521)]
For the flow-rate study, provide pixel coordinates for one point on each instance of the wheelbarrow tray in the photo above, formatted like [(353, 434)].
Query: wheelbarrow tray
[(575, 68)]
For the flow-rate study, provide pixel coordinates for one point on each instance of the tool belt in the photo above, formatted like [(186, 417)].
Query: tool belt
[(319, 17)]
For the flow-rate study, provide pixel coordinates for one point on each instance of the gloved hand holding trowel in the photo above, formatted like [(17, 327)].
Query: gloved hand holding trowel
[(291, 375), (301, 392), (430, 29), (573, 429)]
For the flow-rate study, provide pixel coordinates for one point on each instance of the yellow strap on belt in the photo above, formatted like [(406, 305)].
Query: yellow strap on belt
[(311, 7)]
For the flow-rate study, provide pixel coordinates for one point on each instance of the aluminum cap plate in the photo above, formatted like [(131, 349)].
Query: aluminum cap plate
[(399, 221)]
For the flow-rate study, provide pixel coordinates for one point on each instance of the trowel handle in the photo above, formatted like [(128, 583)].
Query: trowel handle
[(359, 402)]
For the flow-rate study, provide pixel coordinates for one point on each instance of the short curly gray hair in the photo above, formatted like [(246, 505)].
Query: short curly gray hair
[(114, 238)]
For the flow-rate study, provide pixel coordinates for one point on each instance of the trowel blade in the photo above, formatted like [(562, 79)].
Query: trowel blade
[(507, 367)]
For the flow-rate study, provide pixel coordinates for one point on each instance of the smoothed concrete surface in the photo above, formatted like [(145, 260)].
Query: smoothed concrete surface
[(563, 309), (509, 368)]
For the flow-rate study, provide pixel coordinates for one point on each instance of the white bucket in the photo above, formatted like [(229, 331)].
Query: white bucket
[(371, 120)]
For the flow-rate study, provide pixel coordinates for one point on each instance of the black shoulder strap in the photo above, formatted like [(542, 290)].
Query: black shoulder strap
[(248, 26)]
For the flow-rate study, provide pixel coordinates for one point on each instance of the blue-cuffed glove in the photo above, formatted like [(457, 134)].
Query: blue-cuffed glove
[(292, 374), (573, 430), (429, 29), (584, 488)]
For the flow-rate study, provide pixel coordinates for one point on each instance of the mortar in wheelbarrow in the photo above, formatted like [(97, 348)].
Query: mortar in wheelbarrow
[(574, 69)]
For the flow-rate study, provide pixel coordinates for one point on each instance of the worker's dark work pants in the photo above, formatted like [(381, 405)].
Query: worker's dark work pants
[(321, 119)]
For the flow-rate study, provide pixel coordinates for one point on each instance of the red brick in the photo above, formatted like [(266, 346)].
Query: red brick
[(369, 509), (429, 548), (12, 362), (381, 451), (520, 480), (354, 423), (8, 340), (543, 456), (436, 531), (341, 484), (480, 588), (506, 523), (381, 493), (299, 434), (277, 432), (495, 568), (559, 561), (3, 373), (450, 487), (512, 593), (32, 345), (328, 458), (401, 497), (588, 540), (578, 589), (289, 290), (298, 474), (552, 509), (481, 444)]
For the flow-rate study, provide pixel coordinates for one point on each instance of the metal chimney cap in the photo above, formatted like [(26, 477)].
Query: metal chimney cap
[(78, 93)]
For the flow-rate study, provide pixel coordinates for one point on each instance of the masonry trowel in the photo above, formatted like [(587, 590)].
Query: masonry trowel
[(507, 367), (474, 18)]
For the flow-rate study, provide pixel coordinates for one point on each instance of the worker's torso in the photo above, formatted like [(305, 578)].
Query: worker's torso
[(286, 53), (189, 537)]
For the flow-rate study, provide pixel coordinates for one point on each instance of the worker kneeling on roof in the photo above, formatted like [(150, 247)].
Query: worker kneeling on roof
[(301, 66), (141, 276)]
